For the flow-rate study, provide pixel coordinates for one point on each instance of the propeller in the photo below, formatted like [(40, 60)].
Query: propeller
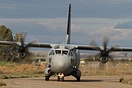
[(22, 47), (104, 50), (93, 43)]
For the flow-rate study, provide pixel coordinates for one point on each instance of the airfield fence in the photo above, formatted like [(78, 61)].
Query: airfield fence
[(110, 68)]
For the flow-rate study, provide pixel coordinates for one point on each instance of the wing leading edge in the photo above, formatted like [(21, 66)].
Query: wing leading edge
[(98, 48), (80, 47), (39, 45)]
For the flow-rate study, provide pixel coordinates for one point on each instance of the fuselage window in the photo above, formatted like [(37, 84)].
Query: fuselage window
[(58, 51), (64, 52)]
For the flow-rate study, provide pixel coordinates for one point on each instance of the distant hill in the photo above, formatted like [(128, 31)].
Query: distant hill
[(125, 25)]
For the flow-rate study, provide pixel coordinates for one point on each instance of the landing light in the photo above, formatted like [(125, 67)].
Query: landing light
[(61, 75), (74, 66)]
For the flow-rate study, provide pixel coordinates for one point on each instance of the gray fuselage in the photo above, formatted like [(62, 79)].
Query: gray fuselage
[(63, 59)]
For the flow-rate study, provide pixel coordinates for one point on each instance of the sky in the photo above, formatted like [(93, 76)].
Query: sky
[(46, 20)]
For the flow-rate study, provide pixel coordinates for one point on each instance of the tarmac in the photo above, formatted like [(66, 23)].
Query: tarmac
[(69, 82)]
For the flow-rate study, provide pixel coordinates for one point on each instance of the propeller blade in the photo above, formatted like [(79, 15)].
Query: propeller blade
[(105, 42), (34, 41), (22, 36), (116, 46), (93, 43)]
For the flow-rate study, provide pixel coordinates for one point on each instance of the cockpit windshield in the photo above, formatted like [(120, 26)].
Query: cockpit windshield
[(58, 51), (61, 52), (64, 52), (51, 52)]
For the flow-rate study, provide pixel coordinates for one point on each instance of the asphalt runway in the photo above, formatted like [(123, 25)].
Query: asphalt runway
[(69, 82)]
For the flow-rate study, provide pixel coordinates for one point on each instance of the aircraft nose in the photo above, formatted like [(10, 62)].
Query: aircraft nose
[(60, 64)]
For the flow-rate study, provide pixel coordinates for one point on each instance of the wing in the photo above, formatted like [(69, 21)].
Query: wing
[(80, 47), (9, 43), (41, 45), (99, 48), (121, 49), (87, 47), (49, 45)]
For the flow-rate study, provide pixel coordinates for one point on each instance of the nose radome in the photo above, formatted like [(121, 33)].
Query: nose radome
[(60, 64)]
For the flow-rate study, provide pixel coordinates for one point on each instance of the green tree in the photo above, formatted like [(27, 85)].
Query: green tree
[(10, 52), (5, 33), (5, 51)]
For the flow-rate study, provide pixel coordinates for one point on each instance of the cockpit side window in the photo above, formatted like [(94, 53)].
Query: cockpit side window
[(70, 53), (58, 51), (64, 52), (51, 52)]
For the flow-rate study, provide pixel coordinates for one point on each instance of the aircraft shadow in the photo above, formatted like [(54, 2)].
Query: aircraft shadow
[(78, 81), (68, 80)]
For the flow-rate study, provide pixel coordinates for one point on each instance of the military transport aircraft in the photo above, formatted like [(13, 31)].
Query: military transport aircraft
[(64, 59)]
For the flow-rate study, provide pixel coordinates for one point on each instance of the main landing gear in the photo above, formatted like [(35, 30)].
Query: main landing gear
[(77, 74), (46, 78)]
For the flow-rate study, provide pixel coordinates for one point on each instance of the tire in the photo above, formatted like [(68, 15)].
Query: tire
[(121, 79), (46, 78), (78, 79), (60, 79)]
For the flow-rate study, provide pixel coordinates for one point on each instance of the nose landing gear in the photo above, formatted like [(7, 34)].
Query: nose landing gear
[(60, 77)]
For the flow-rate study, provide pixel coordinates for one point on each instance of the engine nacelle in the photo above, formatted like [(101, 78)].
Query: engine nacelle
[(22, 51), (21, 54), (103, 59)]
